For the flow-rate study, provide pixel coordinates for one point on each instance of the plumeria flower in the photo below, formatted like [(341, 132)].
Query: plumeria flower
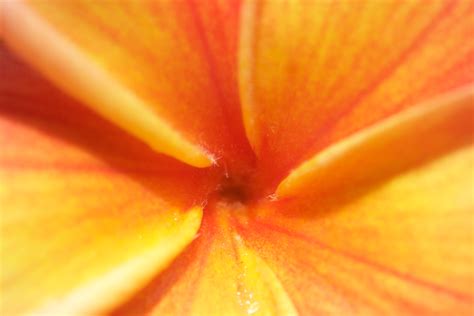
[(237, 157)]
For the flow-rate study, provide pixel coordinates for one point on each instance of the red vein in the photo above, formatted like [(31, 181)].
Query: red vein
[(231, 127), (387, 270), (418, 42)]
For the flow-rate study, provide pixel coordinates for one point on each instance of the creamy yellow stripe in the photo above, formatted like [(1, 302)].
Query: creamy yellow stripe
[(381, 140), (118, 285), (74, 72), (246, 70), (259, 276)]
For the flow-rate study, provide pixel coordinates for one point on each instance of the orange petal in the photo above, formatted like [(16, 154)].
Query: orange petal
[(84, 207), (394, 144), (163, 70), (403, 247), (313, 72), (217, 275)]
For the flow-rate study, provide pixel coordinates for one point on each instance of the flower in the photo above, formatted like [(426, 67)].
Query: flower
[(307, 157)]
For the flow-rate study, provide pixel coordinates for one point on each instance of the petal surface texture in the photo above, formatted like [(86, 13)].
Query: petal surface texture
[(394, 144), (313, 72), (340, 135), (394, 237), (167, 68), (88, 214), (405, 248), (217, 275)]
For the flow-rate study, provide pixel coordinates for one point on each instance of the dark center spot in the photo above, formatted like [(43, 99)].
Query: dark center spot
[(233, 191)]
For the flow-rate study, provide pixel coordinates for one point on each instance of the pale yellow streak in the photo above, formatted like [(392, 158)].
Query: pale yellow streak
[(259, 291), (260, 277), (246, 63), (115, 287), (59, 60), (344, 158)]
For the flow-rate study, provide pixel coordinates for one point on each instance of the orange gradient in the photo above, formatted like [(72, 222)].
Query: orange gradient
[(236, 157)]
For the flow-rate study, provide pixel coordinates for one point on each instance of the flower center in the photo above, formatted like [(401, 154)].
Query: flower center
[(233, 191), (238, 188)]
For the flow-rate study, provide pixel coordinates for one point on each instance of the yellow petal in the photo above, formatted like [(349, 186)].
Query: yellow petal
[(314, 72), (402, 247), (62, 63), (217, 275), (122, 281), (85, 220), (71, 236), (403, 140)]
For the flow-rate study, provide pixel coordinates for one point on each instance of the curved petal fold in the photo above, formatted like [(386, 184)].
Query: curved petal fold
[(408, 138), (402, 246), (217, 275), (88, 214), (167, 77), (77, 230), (314, 72)]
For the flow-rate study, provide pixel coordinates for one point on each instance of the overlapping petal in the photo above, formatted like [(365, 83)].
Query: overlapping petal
[(217, 275), (405, 247), (381, 223), (406, 139), (313, 72), (175, 59), (88, 214)]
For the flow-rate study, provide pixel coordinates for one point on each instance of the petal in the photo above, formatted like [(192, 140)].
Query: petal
[(313, 72), (405, 139), (217, 275), (163, 70), (402, 247), (81, 214)]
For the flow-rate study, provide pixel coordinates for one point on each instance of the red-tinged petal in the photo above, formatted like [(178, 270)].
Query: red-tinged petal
[(313, 72), (88, 214), (166, 68), (217, 275), (402, 247)]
